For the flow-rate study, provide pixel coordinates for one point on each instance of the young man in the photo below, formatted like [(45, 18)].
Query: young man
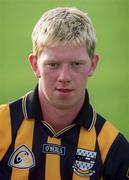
[(53, 133)]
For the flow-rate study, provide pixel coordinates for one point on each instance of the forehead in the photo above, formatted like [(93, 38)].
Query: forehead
[(64, 52)]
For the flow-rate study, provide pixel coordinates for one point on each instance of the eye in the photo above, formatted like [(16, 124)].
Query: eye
[(76, 64), (52, 65)]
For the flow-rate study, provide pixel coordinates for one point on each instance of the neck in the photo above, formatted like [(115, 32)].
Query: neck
[(58, 118)]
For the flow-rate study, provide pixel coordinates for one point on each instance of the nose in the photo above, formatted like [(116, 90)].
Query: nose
[(65, 74)]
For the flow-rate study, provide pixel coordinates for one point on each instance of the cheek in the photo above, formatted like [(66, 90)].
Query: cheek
[(80, 81), (82, 76), (84, 71), (48, 78)]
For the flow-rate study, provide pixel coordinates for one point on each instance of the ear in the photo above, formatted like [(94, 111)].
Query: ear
[(94, 62), (34, 65)]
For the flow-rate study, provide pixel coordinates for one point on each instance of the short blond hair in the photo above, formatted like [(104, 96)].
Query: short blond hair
[(64, 25)]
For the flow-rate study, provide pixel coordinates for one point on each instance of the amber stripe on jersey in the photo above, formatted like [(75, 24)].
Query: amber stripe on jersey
[(52, 169), (87, 141), (24, 136), (109, 133), (5, 124)]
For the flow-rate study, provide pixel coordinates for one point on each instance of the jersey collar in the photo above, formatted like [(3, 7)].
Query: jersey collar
[(32, 109)]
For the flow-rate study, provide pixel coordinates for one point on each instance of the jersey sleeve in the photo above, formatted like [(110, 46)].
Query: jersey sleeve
[(116, 166), (5, 129)]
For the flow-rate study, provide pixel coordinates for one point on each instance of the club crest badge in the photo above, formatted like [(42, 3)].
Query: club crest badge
[(22, 158), (84, 162)]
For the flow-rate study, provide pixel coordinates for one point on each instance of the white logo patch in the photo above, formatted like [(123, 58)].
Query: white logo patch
[(22, 158), (54, 149), (84, 162)]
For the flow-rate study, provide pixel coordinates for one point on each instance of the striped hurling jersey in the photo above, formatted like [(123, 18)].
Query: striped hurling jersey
[(88, 149)]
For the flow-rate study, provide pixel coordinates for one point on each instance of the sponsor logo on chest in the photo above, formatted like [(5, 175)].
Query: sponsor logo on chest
[(54, 149)]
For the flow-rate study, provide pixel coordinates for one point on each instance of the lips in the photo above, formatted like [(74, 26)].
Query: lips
[(64, 90)]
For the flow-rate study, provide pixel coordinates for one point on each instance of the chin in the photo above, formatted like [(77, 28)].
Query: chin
[(67, 104)]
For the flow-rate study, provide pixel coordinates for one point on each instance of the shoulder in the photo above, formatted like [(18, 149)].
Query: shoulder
[(4, 108), (5, 129), (114, 149), (103, 127), (106, 135), (117, 161), (109, 137), (11, 111), (10, 118), (4, 115)]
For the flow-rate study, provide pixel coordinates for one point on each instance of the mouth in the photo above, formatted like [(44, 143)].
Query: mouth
[(64, 90)]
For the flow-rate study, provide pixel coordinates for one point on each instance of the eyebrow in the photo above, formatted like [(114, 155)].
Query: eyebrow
[(72, 60)]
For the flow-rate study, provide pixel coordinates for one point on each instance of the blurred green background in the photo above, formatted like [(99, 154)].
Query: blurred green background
[(109, 86)]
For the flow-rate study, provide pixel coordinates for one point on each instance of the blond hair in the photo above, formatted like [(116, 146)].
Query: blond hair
[(64, 25)]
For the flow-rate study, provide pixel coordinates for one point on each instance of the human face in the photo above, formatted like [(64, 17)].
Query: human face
[(63, 72)]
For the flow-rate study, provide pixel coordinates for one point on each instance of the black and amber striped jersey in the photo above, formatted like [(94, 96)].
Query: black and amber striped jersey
[(89, 149)]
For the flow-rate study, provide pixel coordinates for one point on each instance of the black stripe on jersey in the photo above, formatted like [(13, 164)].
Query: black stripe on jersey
[(16, 116), (99, 124), (70, 141), (98, 167), (117, 160), (39, 138), (5, 172)]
